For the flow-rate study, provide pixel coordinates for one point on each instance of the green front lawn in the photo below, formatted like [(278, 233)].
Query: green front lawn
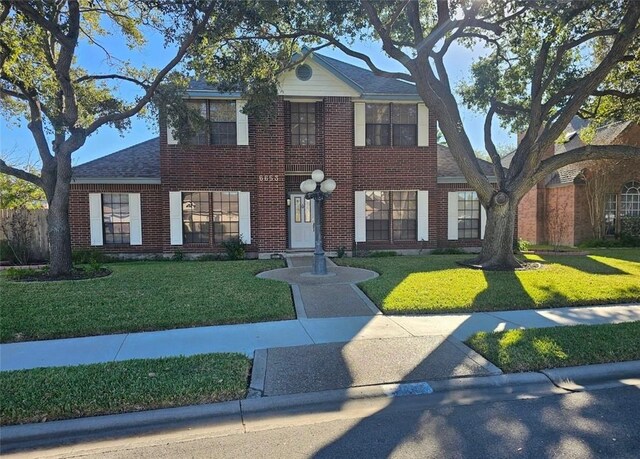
[(144, 296), (540, 348), (435, 283), (45, 394)]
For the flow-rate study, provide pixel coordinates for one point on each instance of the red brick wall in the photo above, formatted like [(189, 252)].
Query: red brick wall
[(531, 216), (152, 217), (559, 212), (270, 154)]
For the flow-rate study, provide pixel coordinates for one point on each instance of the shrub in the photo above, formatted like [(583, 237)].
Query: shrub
[(19, 231), (630, 231), (448, 251), (341, 251), (88, 256), (209, 257), (383, 254), (6, 254), (235, 248), (17, 274), (178, 255), (523, 245)]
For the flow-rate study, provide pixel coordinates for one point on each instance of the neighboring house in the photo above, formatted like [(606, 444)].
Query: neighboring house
[(557, 210), (396, 188)]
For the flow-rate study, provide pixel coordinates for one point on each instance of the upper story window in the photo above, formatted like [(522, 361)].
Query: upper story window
[(392, 124), (220, 125), (303, 123), (116, 218)]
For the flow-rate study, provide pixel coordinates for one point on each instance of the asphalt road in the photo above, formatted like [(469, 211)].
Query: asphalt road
[(598, 424)]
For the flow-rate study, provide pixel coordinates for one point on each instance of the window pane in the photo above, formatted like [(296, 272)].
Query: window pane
[(404, 114), (116, 218), (377, 114), (378, 134), (405, 134), (303, 123), (404, 204), (195, 217), (222, 111), (225, 215), (377, 215), (468, 215)]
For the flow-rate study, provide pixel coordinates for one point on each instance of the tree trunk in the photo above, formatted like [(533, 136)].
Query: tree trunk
[(497, 247), (59, 235), (58, 218)]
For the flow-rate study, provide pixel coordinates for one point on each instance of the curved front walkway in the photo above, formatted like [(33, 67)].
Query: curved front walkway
[(333, 295)]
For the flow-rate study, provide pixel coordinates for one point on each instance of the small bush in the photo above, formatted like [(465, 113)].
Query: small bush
[(448, 251), (88, 256), (342, 250), (235, 248), (383, 254), (630, 231), (6, 254), (178, 255), (523, 245)]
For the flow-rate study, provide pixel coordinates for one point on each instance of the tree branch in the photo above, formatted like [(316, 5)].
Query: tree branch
[(19, 173), (617, 93), (385, 36), (38, 18), (588, 152), (491, 147)]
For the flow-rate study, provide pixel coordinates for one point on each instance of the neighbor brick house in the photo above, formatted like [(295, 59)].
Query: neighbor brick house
[(396, 188), (556, 210)]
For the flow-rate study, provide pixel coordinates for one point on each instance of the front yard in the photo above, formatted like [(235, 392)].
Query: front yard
[(436, 284), (144, 296)]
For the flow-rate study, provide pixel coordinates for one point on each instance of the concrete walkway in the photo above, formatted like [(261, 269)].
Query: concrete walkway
[(333, 295), (246, 338)]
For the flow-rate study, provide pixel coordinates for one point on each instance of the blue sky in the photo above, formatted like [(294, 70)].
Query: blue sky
[(17, 144)]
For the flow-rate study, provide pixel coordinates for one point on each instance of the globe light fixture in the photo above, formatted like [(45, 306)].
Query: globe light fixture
[(318, 189)]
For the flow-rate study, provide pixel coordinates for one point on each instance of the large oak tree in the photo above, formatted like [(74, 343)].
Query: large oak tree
[(545, 62), (43, 81)]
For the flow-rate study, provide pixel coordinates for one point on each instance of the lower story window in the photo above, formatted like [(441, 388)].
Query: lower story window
[(116, 218), (391, 215), (468, 215), (200, 209)]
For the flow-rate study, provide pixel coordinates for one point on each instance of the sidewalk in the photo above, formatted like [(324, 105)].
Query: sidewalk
[(246, 338)]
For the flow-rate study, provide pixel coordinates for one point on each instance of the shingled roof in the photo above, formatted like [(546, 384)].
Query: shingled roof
[(447, 166), (361, 79), (140, 161)]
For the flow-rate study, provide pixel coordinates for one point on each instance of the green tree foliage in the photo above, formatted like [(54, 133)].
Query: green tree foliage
[(62, 102), (16, 193), (540, 70)]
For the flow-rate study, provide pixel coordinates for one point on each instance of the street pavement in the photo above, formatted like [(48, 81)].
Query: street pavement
[(596, 424)]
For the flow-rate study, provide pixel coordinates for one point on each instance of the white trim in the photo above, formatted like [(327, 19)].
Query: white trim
[(135, 219), (242, 124), (115, 181), (452, 212), (95, 219), (423, 125), (359, 124), (175, 217), (244, 212), (483, 220), (423, 216), (360, 216)]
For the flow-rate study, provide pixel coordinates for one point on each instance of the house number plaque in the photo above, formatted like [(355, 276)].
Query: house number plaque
[(268, 178)]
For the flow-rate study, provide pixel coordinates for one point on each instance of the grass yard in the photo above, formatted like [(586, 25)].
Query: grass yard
[(436, 284), (46, 394), (540, 348), (144, 296)]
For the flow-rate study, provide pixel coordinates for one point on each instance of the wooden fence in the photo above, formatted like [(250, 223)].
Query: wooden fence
[(39, 241)]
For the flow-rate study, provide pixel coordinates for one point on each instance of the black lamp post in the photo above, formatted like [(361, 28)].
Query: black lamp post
[(318, 189)]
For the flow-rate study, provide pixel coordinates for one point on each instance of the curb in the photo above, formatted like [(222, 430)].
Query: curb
[(254, 414), (599, 376)]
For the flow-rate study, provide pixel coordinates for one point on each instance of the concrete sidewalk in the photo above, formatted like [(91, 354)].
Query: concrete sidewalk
[(246, 338)]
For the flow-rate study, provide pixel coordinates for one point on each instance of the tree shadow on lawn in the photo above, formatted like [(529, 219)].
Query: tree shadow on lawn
[(586, 264)]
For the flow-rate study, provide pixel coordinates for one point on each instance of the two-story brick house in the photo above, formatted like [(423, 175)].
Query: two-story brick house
[(396, 188)]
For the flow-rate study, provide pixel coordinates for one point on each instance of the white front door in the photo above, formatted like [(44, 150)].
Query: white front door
[(301, 217)]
